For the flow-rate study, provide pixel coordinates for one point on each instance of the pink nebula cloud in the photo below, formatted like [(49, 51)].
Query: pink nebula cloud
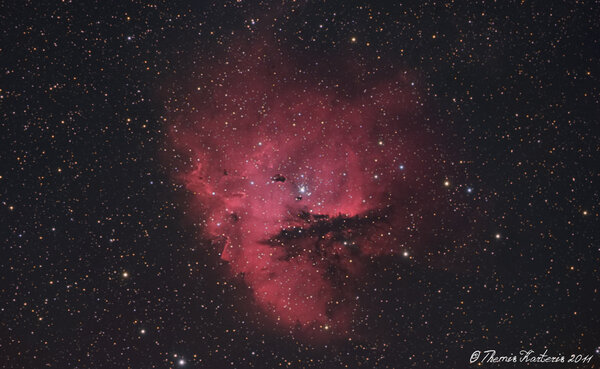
[(301, 180)]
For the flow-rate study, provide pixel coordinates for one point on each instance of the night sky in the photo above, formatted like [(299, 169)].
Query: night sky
[(298, 184)]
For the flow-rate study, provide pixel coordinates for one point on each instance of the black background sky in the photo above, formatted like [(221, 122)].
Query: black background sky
[(509, 90)]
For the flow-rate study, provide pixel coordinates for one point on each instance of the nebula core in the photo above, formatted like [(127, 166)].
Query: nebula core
[(301, 179)]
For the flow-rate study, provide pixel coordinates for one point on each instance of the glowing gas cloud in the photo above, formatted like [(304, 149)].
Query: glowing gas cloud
[(300, 179)]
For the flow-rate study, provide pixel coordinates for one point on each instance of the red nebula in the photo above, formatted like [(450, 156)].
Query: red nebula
[(300, 179)]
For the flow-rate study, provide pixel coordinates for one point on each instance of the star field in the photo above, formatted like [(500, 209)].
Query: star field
[(302, 184)]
